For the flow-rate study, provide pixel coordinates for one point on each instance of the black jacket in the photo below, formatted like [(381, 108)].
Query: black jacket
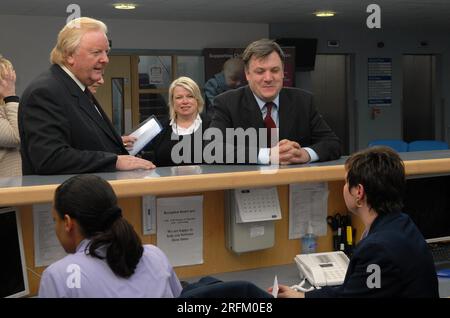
[(61, 131), (394, 244), (298, 120)]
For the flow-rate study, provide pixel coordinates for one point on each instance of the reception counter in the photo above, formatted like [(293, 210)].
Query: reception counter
[(209, 181)]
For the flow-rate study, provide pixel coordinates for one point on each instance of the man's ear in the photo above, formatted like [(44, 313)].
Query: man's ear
[(70, 59)]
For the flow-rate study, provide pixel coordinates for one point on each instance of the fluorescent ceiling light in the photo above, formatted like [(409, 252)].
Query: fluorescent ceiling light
[(324, 14), (125, 6)]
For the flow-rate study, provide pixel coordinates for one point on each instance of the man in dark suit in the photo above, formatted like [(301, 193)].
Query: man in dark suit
[(392, 259), (62, 127), (303, 134)]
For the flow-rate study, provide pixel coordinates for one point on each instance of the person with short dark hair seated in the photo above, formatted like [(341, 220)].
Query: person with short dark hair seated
[(392, 259), (106, 257)]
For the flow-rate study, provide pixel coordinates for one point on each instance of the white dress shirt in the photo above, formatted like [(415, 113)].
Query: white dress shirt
[(264, 153)]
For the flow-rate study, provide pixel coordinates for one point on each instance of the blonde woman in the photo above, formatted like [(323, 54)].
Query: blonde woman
[(10, 163), (186, 119)]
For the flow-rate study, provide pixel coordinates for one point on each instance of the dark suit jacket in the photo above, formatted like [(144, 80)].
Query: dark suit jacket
[(298, 119), (61, 131), (396, 245), (211, 287)]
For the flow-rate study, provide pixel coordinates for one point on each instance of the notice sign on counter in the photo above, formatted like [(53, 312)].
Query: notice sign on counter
[(180, 229), (380, 82)]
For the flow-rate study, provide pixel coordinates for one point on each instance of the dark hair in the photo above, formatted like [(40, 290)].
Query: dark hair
[(261, 49), (92, 202), (382, 174)]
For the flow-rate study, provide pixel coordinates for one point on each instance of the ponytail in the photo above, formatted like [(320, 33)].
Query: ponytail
[(92, 202), (124, 247)]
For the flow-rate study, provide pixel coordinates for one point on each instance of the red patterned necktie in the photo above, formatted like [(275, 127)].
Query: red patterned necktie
[(269, 123)]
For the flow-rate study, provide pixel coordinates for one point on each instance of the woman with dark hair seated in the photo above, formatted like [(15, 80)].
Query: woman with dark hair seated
[(106, 257), (392, 259)]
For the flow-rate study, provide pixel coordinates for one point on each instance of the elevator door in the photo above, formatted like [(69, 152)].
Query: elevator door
[(329, 85), (417, 106)]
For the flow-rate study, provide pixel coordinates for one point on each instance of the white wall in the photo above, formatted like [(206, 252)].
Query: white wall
[(27, 41), (362, 43)]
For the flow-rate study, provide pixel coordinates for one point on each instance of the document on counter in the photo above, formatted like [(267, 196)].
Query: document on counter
[(308, 203), (179, 231), (146, 131), (47, 248)]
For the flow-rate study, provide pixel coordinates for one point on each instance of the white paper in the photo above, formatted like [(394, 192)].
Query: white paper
[(275, 287), (180, 229), (47, 248), (145, 133), (308, 202), (148, 214)]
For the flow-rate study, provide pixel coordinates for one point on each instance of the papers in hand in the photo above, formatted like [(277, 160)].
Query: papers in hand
[(275, 287), (145, 133)]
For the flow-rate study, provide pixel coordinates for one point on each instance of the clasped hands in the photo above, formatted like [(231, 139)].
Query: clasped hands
[(288, 152)]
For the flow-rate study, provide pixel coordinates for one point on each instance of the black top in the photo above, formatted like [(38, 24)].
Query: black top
[(159, 150)]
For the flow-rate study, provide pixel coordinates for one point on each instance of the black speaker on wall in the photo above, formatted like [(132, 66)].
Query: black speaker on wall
[(305, 52)]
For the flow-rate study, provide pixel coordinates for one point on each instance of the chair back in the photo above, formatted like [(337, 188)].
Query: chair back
[(424, 145), (396, 144)]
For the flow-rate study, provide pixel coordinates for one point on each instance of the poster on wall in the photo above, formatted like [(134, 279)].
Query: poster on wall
[(380, 82), (179, 229)]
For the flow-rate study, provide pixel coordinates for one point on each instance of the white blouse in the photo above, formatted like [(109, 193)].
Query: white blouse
[(180, 131)]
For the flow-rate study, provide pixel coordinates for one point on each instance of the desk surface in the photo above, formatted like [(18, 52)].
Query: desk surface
[(183, 179), (287, 275)]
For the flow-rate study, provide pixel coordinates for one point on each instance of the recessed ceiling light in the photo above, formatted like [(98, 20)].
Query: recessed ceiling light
[(324, 14), (125, 6)]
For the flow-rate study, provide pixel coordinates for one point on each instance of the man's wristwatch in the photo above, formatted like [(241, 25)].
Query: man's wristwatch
[(11, 99)]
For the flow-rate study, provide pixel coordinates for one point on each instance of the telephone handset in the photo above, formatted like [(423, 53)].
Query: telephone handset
[(323, 269)]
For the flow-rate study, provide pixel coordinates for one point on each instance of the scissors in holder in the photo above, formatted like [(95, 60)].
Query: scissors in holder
[(335, 222)]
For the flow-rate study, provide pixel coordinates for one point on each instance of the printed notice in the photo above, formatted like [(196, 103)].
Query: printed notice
[(47, 248), (308, 203), (180, 229), (380, 82)]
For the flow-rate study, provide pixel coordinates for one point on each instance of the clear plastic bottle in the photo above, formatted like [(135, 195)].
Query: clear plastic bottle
[(309, 241)]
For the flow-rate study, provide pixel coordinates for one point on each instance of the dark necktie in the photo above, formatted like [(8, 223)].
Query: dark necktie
[(269, 123), (92, 99)]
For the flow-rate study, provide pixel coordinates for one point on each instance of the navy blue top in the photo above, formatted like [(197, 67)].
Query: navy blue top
[(396, 245)]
